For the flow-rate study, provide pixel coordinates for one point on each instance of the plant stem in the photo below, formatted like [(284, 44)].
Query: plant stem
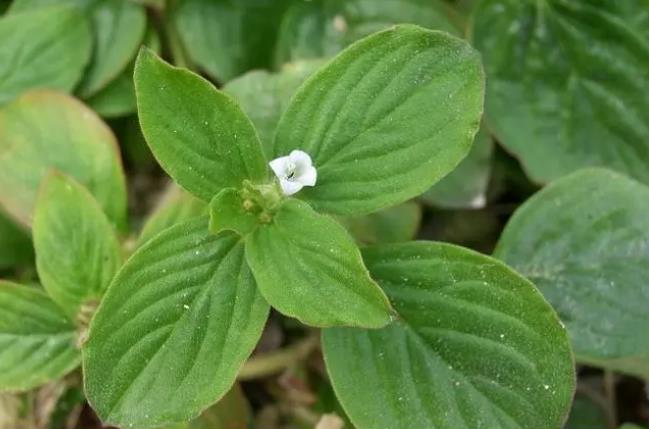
[(611, 398), (277, 361)]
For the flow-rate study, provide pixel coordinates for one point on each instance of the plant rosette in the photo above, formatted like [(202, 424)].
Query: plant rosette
[(379, 124)]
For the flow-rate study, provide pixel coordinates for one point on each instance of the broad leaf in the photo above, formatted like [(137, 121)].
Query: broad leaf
[(476, 346), (264, 96), (393, 225), (583, 240), (117, 27), (466, 186), (77, 251), (227, 38), (307, 266), (321, 28), (118, 97), (42, 130), (199, 135), (567, 84), (46, 48), (387, 118), (174, 328), (15, 244), (37, 341), (177, 206)]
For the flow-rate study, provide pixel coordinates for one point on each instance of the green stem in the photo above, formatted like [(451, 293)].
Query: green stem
[(611, 398)]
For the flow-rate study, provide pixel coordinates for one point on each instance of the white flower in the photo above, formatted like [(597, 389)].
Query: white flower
[(294, 171)]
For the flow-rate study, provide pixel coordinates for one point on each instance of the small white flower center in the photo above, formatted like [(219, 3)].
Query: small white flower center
[(294, 171)]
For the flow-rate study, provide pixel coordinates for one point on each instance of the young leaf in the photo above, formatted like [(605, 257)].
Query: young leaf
[(321, 28), (567, 84), (45, 130), (466, 186), (228, 38), (77, 251), (46, 48), (476, 346), (177, 206), (37, 341), (175, 326), (387, 118), (264, 96), (199, 135), (227, 212), (393, 225), (307, 266), (583, 241)]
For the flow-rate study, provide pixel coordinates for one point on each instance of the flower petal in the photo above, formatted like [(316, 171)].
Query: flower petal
[(290, 187), (308, 176), (280, 166), (301, 159)]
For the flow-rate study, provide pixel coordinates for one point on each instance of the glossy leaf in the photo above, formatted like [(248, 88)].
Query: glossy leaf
[(466, 186), (37, 341), (567, 84), (176, 324), (476, 346), (264, 96), (307, 266), (199, 135), (387, 118), (45, 130), (321, 28), (77, 251), (229, 38), (583, 240), (393, 225), (177, 206), (45, 48)]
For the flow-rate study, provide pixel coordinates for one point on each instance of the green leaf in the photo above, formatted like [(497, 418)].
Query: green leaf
[(228, 213), (566, 84), (307, 266), (177, 206), (321, 28), (77, 251), (199, 135), (45, 130), (583, 241), (118, 97), (119, 27), (175, 326), (586, 414), (630, 426), (393, 225), (387, 118), (476, 346), (46, 48), (228, 38), (466, 186), (264, 96), (37, 341), (15, 244)]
